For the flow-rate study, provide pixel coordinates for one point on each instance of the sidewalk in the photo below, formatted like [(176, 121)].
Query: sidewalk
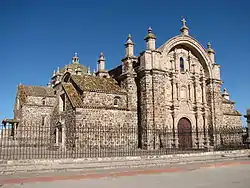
[(94, 164), (28, 178)]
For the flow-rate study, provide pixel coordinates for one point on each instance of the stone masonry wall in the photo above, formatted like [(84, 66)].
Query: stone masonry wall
[(49, 101), (146, 108), (232, 125), (227, 108), (54, 119), (32, 129), (104, 100), (70, 125), (231, 132), (106, 129)]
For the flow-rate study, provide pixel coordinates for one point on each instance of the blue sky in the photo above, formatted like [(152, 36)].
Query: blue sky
[(38, 36)]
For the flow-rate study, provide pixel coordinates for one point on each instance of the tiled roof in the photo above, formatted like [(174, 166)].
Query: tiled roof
[(72, 95), (36, 91), (98, 84)]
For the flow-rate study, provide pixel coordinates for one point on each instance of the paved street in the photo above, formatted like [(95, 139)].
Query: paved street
[(234, 174)]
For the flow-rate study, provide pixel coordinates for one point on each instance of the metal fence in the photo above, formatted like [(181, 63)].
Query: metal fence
[(31, 141)]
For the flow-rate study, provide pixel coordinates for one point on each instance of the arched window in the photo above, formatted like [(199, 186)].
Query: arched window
[(181, 64), (43, 120), (116, 101), (43, 101)]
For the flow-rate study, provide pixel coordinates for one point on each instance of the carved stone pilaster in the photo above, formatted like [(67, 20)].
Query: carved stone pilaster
[(196, 131), (206, 142), (195, 85), (175, 91), (174, 130), (204, 97)]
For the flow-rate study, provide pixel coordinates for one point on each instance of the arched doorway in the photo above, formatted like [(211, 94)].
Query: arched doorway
[(185, 133)]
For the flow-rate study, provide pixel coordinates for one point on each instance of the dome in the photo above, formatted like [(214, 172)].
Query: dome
[(74, 67)]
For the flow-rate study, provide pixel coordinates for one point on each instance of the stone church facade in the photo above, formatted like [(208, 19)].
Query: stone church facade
[(175, 87)]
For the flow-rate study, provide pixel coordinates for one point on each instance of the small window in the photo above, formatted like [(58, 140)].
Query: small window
[(116, 101), (43, 120), (181, 64), (44, 102)]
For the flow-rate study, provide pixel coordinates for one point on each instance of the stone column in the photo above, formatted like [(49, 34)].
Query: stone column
[(175, 141), (196, 131), (195, 85), (175, 92), (175, 60), (206, 142), (201, 130), (203, 85)]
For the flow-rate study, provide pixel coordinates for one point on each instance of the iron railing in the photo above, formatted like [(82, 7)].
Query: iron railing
[(32, 141)]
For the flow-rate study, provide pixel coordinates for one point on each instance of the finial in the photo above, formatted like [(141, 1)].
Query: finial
[(101, 57), (75, 58), (150, 30), (58, 70), (225, 94), (150, 35), (184, 28), (54, 72), (209, 45), (89, 70), (129, 40), (209, 48), (183, 22)]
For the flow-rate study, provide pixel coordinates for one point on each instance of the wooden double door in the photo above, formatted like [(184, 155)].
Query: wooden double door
[(185, 133)]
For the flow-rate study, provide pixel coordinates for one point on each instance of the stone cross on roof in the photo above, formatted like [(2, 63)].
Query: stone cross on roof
[(184, 21)]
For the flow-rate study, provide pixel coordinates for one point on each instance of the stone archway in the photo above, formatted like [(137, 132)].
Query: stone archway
[(184, 133)]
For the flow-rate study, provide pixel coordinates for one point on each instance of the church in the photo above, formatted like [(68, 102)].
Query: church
[(175, 87)]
